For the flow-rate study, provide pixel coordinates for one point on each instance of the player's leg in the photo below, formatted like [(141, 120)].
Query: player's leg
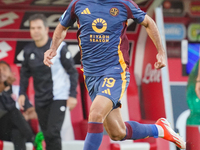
[(55, 120), (43, 113), (105, 92), (114, 125), (117, 129), (100, 108), (22, 125), (18, 140), (169, 134)]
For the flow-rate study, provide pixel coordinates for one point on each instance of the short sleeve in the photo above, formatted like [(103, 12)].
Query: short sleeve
[(134, 11), (69, 17)]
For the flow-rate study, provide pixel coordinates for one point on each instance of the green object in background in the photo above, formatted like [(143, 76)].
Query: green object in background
[(38, 141), (192, 99)]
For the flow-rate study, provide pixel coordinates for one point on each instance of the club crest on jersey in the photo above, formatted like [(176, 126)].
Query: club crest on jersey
[(32, 56), (114, 11)]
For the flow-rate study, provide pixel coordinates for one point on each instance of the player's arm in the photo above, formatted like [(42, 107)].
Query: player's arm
[(197, 87), (24, 80), (68, 63), (66, 20), (153, 33), (58, 36)]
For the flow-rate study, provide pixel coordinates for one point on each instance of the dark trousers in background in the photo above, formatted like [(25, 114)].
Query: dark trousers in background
[(51, 118), (13, 127)]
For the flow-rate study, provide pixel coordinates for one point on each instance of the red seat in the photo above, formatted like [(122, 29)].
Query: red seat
[(77, 116)]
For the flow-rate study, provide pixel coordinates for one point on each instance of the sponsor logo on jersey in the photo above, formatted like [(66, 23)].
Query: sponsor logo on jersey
[(85, 11), (99, 25), (32, 56), (99, 38), (114, 11)]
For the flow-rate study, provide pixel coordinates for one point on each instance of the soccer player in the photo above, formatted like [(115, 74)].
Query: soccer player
[(104, 53), (53, 86)]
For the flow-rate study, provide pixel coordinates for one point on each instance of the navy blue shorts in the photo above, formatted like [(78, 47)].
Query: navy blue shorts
[(111, 86)]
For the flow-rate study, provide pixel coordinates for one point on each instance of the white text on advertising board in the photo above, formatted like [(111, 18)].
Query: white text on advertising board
[(151, 75)]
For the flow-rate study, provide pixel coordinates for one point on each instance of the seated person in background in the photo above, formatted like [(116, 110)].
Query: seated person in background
[(29, 110), (29, 113), (13, 126)]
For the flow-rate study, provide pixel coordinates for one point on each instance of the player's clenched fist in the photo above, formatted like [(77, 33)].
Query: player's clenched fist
[(160, 61), (48, 55)]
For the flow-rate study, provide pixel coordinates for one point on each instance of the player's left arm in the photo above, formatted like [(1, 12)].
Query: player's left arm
[(68, 63), (153, 33)]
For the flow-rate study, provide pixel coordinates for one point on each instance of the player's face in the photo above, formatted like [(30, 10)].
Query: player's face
[(37, 30), (5, 72)]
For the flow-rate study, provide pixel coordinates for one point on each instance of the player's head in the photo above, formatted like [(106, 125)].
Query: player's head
[(38, 27), (5, 70)]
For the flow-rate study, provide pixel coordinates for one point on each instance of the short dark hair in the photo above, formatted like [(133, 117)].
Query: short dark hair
[(5, 63), (38, 16)]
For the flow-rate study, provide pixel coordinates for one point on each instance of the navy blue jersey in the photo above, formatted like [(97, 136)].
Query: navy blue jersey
[(102, 36)]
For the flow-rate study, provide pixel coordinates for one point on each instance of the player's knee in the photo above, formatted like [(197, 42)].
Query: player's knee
[(95, 116), (117, 137)]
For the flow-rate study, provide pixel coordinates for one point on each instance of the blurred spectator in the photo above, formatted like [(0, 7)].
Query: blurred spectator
[(13, 126), (53, 85), (29, 111)]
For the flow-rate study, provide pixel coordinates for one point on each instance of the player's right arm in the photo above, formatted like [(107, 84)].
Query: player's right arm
[(24, 79), (66, 20), (58, 36), (197, 87)]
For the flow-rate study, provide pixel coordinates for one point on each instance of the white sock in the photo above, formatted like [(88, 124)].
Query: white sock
[(160, 131)]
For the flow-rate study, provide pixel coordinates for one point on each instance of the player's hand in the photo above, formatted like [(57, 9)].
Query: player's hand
[(160, 60), (48, 55), (71, 103), (11, 78), (6, 79), (197, 89), (21, 101), (3, 77)]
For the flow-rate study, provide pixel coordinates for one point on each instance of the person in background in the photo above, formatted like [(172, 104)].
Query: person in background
[(197, 87), (105, 58), (13, 126), (29, 110), (53, 86)]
